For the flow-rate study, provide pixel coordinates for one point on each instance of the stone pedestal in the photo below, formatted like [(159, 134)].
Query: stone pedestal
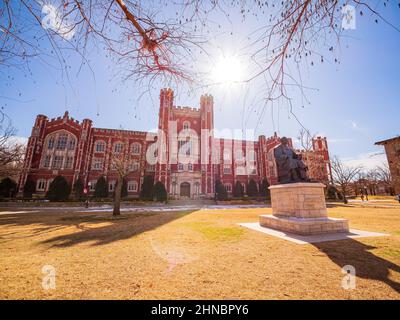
[(300, 208)]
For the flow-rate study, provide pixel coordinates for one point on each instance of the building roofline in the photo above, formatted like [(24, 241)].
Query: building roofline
[(383, 142)]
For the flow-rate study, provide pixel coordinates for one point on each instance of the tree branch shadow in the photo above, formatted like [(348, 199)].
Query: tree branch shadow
[(367, 265), (124, 227)]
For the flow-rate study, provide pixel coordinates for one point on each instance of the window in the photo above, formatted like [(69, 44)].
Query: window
[(151, 168), (227, 169), (46, 162), (227, 154), (239, 155), (134, 166), (71, 144), (111, 186), (68, 163), (184, 147), (97, 164), (132, 186), (240, 170), (136, 148), (57, 162), (41, 185), (180, 166), (186, 125), (100, 146), (118, 147), (51, 143), (190, 167), (228, 187), (62, 141), (92, 185), (113, 166)]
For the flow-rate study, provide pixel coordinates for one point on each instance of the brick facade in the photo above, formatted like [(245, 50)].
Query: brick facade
[(189, 157), (392, 149)]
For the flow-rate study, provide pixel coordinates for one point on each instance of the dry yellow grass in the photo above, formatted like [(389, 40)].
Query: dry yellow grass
[(192, 255)]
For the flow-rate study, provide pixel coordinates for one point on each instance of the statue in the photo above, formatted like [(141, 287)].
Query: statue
[(289, 164)]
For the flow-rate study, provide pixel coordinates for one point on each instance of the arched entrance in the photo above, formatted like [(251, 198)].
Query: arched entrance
[(185, 189)]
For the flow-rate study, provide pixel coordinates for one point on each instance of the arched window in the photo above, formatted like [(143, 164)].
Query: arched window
[(136, 148), (59, 151), (118, 146), (100, 146), (186, 125), (132, 186)]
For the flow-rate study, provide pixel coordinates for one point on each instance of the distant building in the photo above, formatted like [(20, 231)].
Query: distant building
[(392, 149), (77, 150)]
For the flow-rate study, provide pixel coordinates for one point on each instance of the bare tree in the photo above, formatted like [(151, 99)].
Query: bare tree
[(11, 151), (119, 162), (343, 176), (384, 176)]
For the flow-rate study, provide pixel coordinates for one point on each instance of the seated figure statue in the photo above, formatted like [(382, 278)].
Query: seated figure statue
[(289, 164)]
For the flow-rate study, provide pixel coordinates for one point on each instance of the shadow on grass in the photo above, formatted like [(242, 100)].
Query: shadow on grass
[(120, 228), (367, 265)]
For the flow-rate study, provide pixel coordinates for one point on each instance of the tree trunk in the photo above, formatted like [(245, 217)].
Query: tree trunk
[(117, 197)]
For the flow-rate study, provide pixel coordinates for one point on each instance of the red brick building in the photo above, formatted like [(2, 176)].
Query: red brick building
[(185, 154)]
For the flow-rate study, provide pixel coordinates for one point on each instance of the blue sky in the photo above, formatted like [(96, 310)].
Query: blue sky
[(354, 103)]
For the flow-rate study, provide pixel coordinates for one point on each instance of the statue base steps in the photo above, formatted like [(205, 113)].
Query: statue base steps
[(304, 226), (300, 208)]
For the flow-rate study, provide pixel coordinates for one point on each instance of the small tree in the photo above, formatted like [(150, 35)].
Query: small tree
[(238, 190), (264, 189), (101, 190), (59, 189), (343, 176), (78, 189), (252, 189), (146, 192), (8, 188), (220, 191), (159, 192), (29, 188)]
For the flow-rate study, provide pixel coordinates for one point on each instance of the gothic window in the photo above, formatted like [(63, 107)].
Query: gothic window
[(59, 151), (62, 141), (100, 146), (136, 148), (57, 162), (50, 145), (69, 162), (46, 163), (186, 125), (71, 144)]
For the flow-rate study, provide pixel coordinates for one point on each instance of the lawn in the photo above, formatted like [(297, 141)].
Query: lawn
[(200, 254)]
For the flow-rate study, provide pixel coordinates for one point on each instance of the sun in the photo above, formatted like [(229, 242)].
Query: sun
[(228, 69)]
